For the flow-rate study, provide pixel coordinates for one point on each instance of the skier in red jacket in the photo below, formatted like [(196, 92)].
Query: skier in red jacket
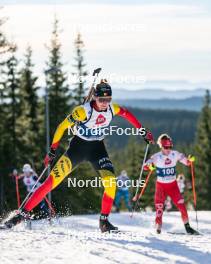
[(165, 162)]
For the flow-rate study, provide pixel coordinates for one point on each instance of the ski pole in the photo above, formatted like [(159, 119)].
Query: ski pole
[(17, 190), (50, 206), (194, 190), (46, 199), (26, 198), (140, 177), (135, 198), (95, 74)]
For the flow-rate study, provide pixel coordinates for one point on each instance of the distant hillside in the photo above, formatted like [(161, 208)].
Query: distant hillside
[(192, 104), (151, 93), (180, 124)]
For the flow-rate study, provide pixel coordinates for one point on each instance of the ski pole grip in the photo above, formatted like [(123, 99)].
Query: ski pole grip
[(96, 71)]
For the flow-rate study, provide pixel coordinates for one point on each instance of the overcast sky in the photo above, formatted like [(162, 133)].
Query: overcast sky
[(153, 41)]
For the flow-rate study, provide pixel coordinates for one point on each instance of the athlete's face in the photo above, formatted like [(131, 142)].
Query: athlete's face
[(103, 102), (27, 173), (166, 150)]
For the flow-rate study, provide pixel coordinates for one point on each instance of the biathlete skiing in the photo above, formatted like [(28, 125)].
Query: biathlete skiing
[(93, 116), (164, 163)]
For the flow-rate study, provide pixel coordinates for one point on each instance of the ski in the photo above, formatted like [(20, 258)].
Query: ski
[(183, 233)]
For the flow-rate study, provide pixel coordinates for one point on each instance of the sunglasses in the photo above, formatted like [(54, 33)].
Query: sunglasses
[(104, 99)]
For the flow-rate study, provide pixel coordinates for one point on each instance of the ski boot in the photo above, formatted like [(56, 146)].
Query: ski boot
[(16, 219), (158, 228), (105, 225), (190, 230)]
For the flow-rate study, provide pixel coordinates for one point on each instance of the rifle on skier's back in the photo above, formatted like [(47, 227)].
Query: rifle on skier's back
[(91, 90)]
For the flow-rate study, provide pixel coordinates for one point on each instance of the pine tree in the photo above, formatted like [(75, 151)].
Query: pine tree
[(134, 153), (58, 90), (10, 139), (12, 106), (203, 154), (59, 95), (29, 119), (5, 47), (79, 91)]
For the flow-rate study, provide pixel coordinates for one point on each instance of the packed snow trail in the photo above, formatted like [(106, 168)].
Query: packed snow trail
[(76, 239)]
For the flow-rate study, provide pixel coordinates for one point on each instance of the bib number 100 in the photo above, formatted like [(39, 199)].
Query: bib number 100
[(168, 171)]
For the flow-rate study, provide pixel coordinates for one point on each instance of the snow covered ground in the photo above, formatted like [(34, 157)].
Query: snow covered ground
[(76, 239)]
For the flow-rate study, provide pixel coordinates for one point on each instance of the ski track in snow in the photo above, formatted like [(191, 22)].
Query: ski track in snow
[(76, 239)]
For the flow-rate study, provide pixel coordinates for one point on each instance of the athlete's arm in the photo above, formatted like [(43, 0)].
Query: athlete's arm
[(185, 160), (20, 176), (78, 114), (123, 112)]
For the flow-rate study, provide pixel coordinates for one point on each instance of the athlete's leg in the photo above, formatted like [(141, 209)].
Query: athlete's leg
[(61, 169), (109, 182), (99, 158), (160, 197), (177, 198)]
